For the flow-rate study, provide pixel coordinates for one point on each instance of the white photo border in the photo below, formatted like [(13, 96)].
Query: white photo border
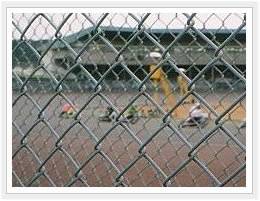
[(9, 9)]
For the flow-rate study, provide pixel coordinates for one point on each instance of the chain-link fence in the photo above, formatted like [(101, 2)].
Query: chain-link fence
[(129, 99)]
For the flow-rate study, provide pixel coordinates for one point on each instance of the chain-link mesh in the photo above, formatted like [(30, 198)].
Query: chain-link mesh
[(129, 99)]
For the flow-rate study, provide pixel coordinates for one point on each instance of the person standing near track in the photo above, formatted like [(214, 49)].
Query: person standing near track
[(183, 86), (160, 80)]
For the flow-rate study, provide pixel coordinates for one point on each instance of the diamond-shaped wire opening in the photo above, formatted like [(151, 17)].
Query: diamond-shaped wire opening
[(233, 19), (120, 146), (234, 54), (60, 109), (42, 181), (93, 115), (24, 112), (23, 57), (191, 175), (221, 90), (221, 155), (99, 172), (24, 165), (59, 167), (41, 139), (78, 143), (142, 174), (235, 122), (40, 28), (16, 182), (144, 116), (191, 49), (17, 135), (75, 28), (167, 150), (238, 181)]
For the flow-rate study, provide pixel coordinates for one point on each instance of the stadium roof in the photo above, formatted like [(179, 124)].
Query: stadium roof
[(111, 32), (164, 34), (24, 54)]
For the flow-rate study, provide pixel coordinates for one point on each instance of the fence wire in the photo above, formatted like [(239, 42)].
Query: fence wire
[(129, 99)]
